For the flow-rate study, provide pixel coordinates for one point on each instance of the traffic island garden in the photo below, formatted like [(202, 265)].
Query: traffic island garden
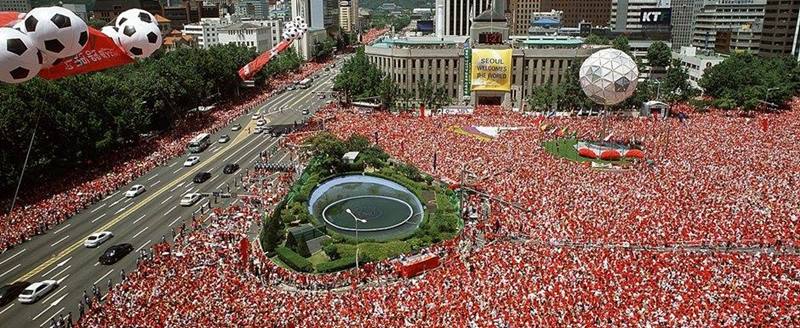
[(352, 198)]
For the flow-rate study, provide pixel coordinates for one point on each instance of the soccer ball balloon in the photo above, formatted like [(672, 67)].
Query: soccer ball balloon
[(20, 60), (139, 39), (57, 31), (609, 76), (303, 27), (111, 32), (135, 14), (298, 20)]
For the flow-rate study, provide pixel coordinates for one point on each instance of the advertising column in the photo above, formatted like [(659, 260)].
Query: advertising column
[(467, 66)]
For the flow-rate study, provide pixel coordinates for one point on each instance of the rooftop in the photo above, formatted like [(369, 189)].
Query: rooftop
[(420, 40)]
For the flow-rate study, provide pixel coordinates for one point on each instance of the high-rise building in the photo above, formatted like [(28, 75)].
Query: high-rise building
[(520, 15), (626, 15), (728, 26), (320, 20), (255, 9), (458, 14), (683, 16), (596, 12), (780, 28), (205, 33), (345, 21), (107, 10), (22, 6)]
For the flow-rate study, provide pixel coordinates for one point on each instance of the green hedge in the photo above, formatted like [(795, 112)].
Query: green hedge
[(294, 260), (337, 265)]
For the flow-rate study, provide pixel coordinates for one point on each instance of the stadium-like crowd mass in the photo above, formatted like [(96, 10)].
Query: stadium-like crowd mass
[(703, 234)]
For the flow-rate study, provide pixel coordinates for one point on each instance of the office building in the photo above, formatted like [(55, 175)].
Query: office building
[(596, 12), (780, 28), (78, 8), (696, 63), (726, 26), (21, 6), (189, 12), (275, 28), (457, 15), (345, 16), (255, 9), (684, 13), (205, 33), (247, 35), (626, 15), (107, 10), (520, 14)]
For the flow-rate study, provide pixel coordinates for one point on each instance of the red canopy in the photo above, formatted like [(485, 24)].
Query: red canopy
[(634, 153), (610, 155), (586, 152)]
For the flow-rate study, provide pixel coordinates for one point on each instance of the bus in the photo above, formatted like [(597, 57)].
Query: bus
[(200, 143), (304, 84)]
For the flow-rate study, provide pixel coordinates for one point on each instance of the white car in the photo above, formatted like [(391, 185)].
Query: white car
[(134, 191), (256, 116), (97, 238), (36, 291), (305, 111), (192, 160), (260, 122), (257, 130), (224, 138), (189, 199), (236, 127)]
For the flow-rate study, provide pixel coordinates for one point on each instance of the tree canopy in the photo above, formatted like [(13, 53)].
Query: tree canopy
[(743, 79), (659, 54), (359, 78)]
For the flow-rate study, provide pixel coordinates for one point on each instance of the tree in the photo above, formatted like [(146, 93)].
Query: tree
[(596, 39), (743, 80), (621, 43), (572, 95), (358, 78), (96, 23), (675, 85), (433, 97), (388, 92), (659, 54)]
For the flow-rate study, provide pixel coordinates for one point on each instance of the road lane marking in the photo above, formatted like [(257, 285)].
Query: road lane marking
[(46, 321), (221, 184), (60, 240), (56, 267), (13, 256), (62, 228), (99, 207), (143, 245), (60, 272), (9, 270), (137, 220), (166, 200), (176, 170), (115, 203), (155, 183), (192, 170), (170, 210), (9, 307), (153, 177), (99, 217), (173, 222), (139, 233), (173, 164), (109, 196), (104, 276), (122, 209), (49, 307)]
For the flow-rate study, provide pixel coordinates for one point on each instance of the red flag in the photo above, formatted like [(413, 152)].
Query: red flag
[(257, 64), (8, 18), (764, 124), (422, 110), (100, 53), (244, 250)]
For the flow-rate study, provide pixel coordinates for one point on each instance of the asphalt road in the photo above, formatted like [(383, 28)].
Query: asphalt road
[(142, 221)]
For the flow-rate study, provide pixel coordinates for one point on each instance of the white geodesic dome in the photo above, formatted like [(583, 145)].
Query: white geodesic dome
[(609, 76)]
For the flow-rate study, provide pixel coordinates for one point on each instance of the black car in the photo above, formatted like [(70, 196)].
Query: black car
[(115, 253), (202, 177), (230, 168), (9, 293)]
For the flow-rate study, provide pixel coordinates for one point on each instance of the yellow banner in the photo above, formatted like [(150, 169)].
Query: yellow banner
[(491, 70)]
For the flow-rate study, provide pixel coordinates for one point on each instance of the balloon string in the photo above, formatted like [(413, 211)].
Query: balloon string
[(25, 164)]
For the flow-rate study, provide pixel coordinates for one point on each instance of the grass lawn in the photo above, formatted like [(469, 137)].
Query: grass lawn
[(565, 148), (318, 257)]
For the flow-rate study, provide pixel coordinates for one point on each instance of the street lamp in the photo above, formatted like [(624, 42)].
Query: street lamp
[(357, 221)]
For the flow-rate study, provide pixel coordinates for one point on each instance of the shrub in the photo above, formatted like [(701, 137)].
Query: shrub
[(331, 251), (294, 260), (337, 265)]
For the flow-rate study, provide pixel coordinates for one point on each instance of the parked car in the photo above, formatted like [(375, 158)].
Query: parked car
[(305, 111), (224, 138), (236, 127), (256, 116), (10, 292), (257, 130), (37, 290), (201, 177), (189, 199), (230, 168), (115, 253), (97, 238), (191, 160), (134, 191), (260, 122)]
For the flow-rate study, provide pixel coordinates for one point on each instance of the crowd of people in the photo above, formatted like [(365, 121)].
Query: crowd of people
[(42, 206), (701, 234)]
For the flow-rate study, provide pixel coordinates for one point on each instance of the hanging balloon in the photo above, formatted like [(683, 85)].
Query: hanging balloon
[(20, 60), (135, 15), (609, 76), (48, 61), (139, 39), (111, 32), (304, 27), (298, 20), (56, 31)]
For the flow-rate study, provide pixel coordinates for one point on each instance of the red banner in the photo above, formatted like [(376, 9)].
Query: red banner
[(262, 60), (8, 18), (244, 251), (418, 264), (100, 53)]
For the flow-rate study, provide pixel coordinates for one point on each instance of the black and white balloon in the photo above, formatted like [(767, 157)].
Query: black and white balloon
[(111, 32), (139, 39), (135, 15), (56, 31), (20, 60)]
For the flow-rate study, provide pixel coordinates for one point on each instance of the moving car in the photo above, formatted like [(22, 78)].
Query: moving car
[(256, 116), (9, 293), (134, 191), (260, 122), (305, 111), (97, 238), (201, 177), (236, 127), (37, 290), (230, 168), (115, 253), (191, 160), (224, 138), (189, 199)]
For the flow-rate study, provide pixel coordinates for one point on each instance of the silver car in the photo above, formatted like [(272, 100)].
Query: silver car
[(36, 291)]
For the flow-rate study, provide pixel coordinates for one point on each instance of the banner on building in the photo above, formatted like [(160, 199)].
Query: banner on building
[(656, 16), (491, 70), (467, 66)]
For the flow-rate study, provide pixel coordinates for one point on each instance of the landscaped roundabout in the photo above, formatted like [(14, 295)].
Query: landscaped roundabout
[(363, 203)]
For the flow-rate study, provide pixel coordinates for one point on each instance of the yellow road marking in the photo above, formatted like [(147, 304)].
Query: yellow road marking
[(239, 138)]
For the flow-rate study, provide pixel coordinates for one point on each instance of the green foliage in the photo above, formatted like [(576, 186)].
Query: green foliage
[(294, 260), (659, 54), (374, 251), (595, 39), (324, 49), (743, 79), (96, 23), (621, 43), (544, 97), (337, 265), (358, 78), (295, 210), (331, 251), (675, 85), (432, 96)]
